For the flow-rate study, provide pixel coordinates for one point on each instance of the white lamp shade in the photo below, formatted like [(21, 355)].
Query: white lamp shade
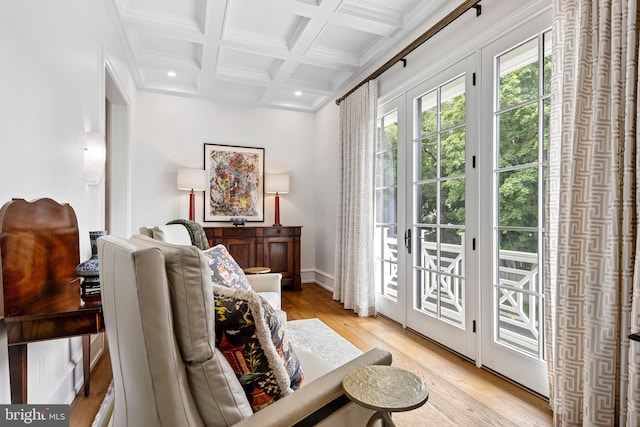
[(277, 183), (95, 156), (192, 179)]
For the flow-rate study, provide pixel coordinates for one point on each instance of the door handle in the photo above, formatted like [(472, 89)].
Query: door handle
[(407, 240)]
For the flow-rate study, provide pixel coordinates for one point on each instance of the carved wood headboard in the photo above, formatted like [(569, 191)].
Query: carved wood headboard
[(39, 251)]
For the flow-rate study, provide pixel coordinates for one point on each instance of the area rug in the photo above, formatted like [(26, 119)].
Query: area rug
[(315, 337)]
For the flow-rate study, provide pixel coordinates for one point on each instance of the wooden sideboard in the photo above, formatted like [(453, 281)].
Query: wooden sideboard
[(275, 247)]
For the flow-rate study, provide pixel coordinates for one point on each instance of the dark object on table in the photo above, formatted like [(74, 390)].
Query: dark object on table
[(635, 337), (89, 270), (238, 221)]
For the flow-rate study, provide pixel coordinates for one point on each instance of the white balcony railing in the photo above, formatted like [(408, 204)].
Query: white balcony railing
[(442, 289)]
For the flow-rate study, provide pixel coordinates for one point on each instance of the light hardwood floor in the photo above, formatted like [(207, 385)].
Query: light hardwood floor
[(460, 394)]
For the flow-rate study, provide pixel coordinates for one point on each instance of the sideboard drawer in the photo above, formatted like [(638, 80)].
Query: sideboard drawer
[(240, 231), (281, 231)]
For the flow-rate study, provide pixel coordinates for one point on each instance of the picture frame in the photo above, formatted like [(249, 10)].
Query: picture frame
[(236, 183)]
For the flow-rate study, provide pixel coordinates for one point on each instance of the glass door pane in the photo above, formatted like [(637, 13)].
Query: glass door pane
[(386, 188)]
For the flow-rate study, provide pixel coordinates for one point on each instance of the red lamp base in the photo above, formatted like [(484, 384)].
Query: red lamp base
[(277, 212), (192, 206)]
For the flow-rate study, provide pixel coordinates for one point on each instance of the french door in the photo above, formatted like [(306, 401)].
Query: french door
[(424, 258), (460, 173), (440, 210), (516, 107)]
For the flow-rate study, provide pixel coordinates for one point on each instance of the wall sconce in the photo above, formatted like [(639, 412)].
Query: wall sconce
[(277, 183), (192, 180), (95, 156)]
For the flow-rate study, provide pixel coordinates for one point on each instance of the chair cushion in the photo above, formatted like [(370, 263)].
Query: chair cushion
[(273, 298), (219, 401), (254, 342), (196, 232), (172, 233), (225, 271)]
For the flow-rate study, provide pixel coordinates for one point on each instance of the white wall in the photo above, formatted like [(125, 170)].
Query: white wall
[(51, 81), (171, 135), (327, 152)]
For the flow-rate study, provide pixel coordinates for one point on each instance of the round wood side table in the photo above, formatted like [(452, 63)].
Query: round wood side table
[(256, 270), (385, 389)]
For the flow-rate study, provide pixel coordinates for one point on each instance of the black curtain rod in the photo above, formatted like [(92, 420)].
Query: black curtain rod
[(452, 16)]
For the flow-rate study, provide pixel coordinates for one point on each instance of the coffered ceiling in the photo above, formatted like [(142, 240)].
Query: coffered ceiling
[(293, 54)]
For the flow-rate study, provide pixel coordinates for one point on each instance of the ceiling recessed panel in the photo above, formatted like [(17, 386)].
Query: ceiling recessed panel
[(184, 8), (156, 45), (160, 80), (315, 76), (255, 22), (183, 13), (343, 39), (233, 59), (395, 5), (311, 2)]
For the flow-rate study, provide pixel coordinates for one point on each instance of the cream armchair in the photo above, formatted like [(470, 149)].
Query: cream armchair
[(267, 285), (158, 310)]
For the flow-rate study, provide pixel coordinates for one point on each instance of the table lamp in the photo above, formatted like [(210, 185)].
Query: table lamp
[(277, 183), (192, 180)]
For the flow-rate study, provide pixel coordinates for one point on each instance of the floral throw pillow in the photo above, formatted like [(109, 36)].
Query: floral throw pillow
[(225, 270), (251, 338)]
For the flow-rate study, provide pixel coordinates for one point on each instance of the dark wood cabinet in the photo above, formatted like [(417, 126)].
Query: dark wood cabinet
[(275, 247)]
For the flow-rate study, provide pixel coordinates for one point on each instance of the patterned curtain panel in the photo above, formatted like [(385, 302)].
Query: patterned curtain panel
[(592, 283), (354, 283)]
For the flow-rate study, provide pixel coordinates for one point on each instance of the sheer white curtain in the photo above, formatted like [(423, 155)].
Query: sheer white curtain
[(354, 281), (591, 265)]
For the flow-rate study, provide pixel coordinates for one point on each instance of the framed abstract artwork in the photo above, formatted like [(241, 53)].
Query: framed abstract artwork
[(236, 183)]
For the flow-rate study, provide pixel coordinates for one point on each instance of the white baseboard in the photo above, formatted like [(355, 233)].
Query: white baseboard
[(323, 279), (324, 286), (97, 348), (307, 276), (77, 374)]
